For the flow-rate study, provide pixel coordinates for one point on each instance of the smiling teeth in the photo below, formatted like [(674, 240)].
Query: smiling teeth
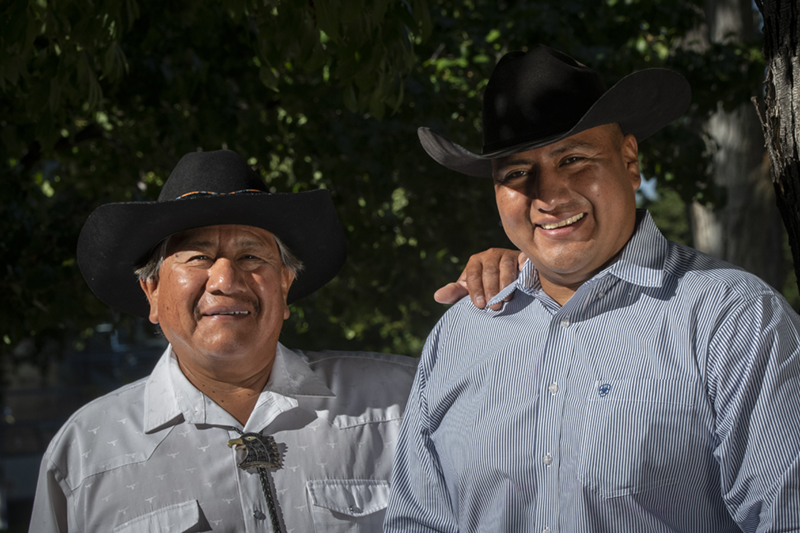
[(567, 222), (235, 313)]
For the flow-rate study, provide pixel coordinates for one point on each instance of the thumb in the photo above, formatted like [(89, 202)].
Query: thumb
[(450, 293)]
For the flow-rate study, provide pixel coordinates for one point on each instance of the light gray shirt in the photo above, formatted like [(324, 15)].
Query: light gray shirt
[(153, 455)]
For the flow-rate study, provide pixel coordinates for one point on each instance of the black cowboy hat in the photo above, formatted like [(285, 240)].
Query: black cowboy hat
[(207, 189), (537, 98)]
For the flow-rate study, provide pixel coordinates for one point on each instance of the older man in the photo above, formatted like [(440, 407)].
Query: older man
[(632, 384), (232, 431)]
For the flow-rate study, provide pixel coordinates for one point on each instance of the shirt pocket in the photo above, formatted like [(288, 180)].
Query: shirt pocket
[(637, 435), (340, 505), (180, 517)]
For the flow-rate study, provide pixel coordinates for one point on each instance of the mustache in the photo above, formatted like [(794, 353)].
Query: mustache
[(209, 306)]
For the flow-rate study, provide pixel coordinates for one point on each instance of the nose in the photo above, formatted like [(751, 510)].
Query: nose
[(224, 277), (550, 190)]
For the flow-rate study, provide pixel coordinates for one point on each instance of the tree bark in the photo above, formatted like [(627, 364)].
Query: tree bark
[(746, 229), (781, 118)]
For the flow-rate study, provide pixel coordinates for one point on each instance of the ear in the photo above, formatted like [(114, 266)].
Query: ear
[(287, 278), (630, 158), (150, 288)]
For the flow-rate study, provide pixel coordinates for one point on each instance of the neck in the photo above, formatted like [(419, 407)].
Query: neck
[(236, 394), (559, 292)]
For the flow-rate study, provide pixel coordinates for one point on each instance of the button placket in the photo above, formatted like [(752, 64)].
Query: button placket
[(555, 371)]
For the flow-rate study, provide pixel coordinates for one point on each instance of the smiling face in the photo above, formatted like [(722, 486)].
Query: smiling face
[(220, 299), (571, 205)]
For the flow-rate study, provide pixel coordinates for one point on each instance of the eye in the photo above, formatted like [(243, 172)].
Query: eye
[(572, 159), (513, 175)]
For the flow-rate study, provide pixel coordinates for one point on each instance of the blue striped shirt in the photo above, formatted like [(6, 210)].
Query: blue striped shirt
[(664, 396)]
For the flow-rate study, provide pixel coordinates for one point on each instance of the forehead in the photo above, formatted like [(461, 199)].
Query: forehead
[(223, 235)]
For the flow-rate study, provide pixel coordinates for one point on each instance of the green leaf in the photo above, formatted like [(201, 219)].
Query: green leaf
[(269, 77), (328, 17)]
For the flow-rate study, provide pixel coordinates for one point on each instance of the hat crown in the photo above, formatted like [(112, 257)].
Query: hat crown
[(536, 95), (221, 171)]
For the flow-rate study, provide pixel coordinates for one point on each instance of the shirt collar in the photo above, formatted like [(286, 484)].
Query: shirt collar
[(170, 397), (641, 261), (160, 401), (291, 376)]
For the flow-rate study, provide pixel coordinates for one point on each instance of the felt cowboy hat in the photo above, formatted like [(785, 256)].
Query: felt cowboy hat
[(537, 98), (207, 189)]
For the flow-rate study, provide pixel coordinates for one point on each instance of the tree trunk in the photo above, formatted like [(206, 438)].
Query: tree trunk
[(746, 229), (781, 119)]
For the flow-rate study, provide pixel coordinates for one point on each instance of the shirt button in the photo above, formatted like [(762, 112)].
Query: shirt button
[(565, 322), (553, 388), (258, 515), (600, 294), (547, 459), (354, 509)]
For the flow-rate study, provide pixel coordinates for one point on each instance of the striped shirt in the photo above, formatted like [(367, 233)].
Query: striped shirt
[(664, 396)]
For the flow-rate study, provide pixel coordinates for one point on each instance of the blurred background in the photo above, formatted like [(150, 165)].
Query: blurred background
[(99, 99)]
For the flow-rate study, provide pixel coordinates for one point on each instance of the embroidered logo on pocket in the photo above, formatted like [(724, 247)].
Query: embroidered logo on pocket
[(604, 389)]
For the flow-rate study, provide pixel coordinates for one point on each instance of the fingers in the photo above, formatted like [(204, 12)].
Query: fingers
[(489, 272), (520, 259), (509, 266), (484, 276), (450, 293)]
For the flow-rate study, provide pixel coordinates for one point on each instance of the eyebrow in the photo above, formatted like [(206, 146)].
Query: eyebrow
[(555, 152)]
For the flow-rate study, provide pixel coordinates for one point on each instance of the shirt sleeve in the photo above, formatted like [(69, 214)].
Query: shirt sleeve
[(754, 382), (50, 504), (419, 501)]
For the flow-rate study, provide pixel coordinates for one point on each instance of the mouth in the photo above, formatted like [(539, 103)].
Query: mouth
[(566, 222), (226, 311)]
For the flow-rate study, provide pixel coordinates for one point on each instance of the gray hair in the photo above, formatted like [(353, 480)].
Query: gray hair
[(149, 271)]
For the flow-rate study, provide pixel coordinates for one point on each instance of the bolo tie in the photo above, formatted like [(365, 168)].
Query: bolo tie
[(261, 453)]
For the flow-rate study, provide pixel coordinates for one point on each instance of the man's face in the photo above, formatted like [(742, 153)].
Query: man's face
[(570, 206), (221, 296)]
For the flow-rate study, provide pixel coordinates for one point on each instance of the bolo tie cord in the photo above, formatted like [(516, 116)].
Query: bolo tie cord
[(273, 512)]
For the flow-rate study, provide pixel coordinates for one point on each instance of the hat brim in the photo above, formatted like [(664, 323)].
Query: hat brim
[(642, 103), (115, 239)]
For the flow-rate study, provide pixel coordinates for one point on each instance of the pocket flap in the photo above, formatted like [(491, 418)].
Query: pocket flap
[(351, 497), (178, 517)]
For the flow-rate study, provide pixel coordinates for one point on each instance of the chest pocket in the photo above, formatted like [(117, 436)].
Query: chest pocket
[(340, 505), (639, 435), (182, 517)]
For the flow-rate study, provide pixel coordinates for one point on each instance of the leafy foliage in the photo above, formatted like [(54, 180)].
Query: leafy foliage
[(100, 99)]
